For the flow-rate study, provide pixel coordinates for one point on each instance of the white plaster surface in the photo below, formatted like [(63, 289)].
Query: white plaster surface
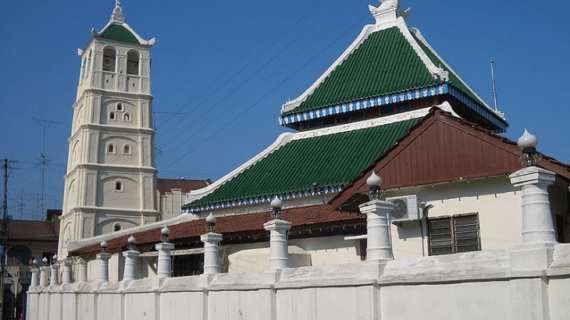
[(475, 285)]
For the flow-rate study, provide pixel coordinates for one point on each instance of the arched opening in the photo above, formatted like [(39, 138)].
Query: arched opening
[(127, 117), (126, 149), (112, 115), (109, 58), (20, 253), (120, 107), (88, 69), (118, 186), (82, 74), (133, 63), (111, 148), (117, 227)]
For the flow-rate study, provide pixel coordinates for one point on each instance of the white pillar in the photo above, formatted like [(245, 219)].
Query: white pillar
[(212, 263), (35, 281), (103, 266), (278, 250), (66, 276), (131, 257), (44, 273), (164, 268), (54, 274), (537, 224), (81, 270), (378, 246)]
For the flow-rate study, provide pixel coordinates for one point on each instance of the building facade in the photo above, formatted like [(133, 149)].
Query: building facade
[(111, 176)]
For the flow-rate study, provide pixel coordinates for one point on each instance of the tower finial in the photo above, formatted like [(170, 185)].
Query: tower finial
[(117, 15)]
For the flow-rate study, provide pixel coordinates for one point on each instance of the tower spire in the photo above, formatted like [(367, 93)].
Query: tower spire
[(117, 15)]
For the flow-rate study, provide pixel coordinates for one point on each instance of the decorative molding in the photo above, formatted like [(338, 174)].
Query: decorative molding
[(365, 104)]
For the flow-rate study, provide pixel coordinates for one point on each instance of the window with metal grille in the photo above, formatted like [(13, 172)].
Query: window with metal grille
[(187, 265), (458, 233)]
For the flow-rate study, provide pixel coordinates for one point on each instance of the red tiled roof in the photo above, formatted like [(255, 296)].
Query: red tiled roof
[(166, 185), (443, 148), (303, 218), (33, 230)]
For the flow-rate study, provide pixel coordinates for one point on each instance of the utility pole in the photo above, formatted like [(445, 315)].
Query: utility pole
[(4, 233), (43, 159)]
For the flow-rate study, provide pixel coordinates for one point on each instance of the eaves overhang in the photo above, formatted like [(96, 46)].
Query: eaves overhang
[(409, 95)]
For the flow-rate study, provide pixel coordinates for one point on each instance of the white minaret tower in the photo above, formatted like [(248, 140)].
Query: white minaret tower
[(111, 177)]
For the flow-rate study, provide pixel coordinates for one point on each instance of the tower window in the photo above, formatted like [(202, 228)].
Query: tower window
[(120, 107), (88, 70), (126, 149), (111, 148), (109, 58), (112, 115), (133, 63), (118, 186), (127, 117), (82, 71), (117, 227)]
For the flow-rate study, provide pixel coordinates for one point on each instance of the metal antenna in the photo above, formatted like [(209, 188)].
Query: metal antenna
[(494, 88), (43, 160)]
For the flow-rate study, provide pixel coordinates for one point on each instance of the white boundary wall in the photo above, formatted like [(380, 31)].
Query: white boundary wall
[(525, 282)]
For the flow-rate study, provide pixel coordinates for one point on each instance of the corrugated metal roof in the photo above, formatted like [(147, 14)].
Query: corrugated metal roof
[(166, 185), (331, 161), (385, 63), (33, 230)]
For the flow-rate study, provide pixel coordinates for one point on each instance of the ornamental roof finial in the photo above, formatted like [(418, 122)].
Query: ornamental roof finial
[(388, 11), (117, 15)]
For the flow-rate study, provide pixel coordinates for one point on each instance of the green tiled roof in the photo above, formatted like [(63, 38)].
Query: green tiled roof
[(453, 79), (384, 63), (331, 160), (119, 33)]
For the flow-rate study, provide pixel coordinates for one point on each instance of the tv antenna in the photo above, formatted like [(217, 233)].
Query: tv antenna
[(494, 87), (43, 159)]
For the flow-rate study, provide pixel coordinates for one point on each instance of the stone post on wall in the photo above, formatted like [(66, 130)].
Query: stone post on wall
[(103, 258), (66, 275), (278, 245), (164, 268), (537, 223), (35, 281), (379, 245), (131, 257), (211, 240), (54, 272), (44, 273), (81, 270)]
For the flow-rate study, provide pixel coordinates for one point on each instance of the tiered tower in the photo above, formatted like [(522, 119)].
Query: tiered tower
[(111, 176)]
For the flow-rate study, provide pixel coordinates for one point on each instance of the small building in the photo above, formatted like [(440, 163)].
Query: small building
[(26, 241)]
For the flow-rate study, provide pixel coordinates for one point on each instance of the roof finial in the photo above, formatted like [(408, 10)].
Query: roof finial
[(117, 15), (388, 11)]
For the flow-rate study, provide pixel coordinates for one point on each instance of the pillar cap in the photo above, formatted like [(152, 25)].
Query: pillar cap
[(277, 224), (532, 175)]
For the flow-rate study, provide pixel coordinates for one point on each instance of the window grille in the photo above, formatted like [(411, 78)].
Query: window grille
[(458, 233)]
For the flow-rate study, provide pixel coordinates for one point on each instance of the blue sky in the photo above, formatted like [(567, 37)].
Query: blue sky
[(222, 69)]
